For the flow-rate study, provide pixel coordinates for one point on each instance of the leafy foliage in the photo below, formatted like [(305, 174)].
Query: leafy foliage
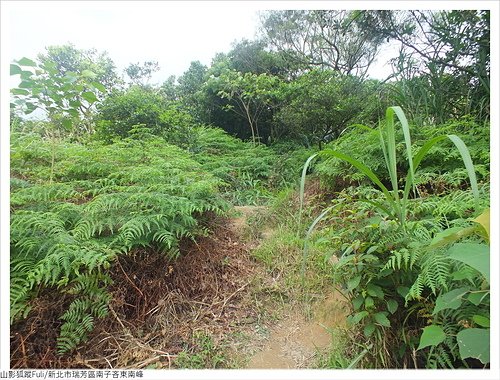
[(441, 170), (70, 59), (66, 99), (249, 95), (140, 106), (320, 104), (106, 200), (390, 261), (249, 172), (322, 38)]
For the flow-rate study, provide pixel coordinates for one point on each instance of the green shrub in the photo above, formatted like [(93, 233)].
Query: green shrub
[(102, 201), (407, 271), (440, 170), (123, 110)]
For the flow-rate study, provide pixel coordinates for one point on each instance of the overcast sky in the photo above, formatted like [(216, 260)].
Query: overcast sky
[(171, 33), (174, 34)]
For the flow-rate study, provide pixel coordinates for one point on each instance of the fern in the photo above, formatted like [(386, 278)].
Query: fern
[(66, 234), (435, 273)]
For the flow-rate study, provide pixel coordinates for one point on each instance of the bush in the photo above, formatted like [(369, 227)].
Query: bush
[(122, 111), (440, 170), (73, 215)]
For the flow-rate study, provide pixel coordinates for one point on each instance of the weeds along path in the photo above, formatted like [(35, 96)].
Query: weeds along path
[(163, 314), (213, 307), (295, 337)]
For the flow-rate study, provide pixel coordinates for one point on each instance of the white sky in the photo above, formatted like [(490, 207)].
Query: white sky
[(172, 33)]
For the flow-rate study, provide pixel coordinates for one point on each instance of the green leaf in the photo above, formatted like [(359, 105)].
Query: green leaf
[(463, 273), (19, 91), (88, 74), (67, 124), (357, 302), (75, 103), (381, 319), (369, 302), (363, 169), (15, 69), (369, 329), (358, 317), (392, 306), (449, 236), (474, 343), (353, 283), (477, 297), (481, 320), (375, 291), (402, 290), (26, 62), (469, 166), (26, 75), (450, 300), (89, 97), (303, 182), (475, 255), (98, 86), (432, 336), (26, 84), (73, 112), (30, 108)]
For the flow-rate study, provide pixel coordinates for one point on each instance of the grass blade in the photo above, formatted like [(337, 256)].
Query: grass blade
[(302, 189), (359, 357), (466, 158), (363, 169), (391, 151), (308, 235)]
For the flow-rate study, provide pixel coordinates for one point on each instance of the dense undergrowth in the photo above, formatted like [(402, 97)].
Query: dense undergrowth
[(76, 207), (416, 270)]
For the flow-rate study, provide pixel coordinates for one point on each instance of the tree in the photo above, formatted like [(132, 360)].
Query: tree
[(444, 60), (141, 74), (124, 111), (169, 89), (249, 95), (252, 57), (322, 38), (192, 80), (67, 100), (322, 103), (190, 85), (67, 58)]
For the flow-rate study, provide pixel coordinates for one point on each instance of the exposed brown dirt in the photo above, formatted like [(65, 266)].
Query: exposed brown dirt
[(157, 307), (295, 340)]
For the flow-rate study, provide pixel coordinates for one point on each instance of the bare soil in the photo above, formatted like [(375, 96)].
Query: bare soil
[(159, 306), (295, 340)]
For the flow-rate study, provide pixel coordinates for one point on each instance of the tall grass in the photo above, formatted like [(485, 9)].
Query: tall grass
[(396, 200)]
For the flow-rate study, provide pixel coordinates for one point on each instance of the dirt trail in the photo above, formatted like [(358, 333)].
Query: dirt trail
[(294, 340), (240, 222)]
